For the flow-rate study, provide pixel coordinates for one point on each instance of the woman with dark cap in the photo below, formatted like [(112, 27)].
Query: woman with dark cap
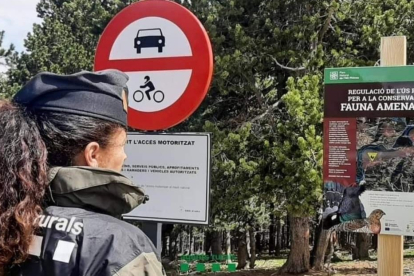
[(61, 192)]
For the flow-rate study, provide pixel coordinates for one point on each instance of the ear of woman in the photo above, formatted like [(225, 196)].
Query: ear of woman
[(89, 156)]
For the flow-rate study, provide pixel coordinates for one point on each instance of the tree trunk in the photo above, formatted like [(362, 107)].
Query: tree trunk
[(207, 242), (258, 238), (320, 250), (202, 241), (242, 251), (164, 246), (252, 248), (216, 243), (223, 241), (288, 233), (278, 237), (172, 252), (228, 246), (363, 243), (248, 243), (298, 260), (284, 236), (191, 240), (312, 233), (171, 245), (272, 239), (181, 243), (175, 246), (315, 242), (234, 241), (264, 240)]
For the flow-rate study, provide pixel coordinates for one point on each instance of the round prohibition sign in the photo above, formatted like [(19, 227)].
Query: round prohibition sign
[(200, 62)]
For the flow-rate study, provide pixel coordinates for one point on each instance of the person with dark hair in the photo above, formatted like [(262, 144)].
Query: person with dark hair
[(61, 191)]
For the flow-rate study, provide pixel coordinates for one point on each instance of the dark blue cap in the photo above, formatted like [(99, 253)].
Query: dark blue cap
[(99, 94)]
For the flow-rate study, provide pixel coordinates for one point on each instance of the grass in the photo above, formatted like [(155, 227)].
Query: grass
[(269, 263)]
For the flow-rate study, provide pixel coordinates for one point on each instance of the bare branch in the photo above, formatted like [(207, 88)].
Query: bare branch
[(327, 23), (288, 68), (314, 157), (270, 109), (261, 116)]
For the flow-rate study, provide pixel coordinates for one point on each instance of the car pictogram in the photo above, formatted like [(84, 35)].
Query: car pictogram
[(149, 38)]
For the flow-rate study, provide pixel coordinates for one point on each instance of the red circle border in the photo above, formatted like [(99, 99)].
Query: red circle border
[(202, 70)]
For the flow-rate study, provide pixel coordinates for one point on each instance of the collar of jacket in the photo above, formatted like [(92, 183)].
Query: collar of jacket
[(100, 190)]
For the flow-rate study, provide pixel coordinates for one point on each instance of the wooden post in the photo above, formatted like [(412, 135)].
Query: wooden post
[(394, 51), (391, 248)]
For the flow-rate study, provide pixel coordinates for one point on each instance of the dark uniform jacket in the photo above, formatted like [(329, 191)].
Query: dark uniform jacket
[(79, 233)]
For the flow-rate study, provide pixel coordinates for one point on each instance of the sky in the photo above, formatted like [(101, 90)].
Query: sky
[(17, 18)]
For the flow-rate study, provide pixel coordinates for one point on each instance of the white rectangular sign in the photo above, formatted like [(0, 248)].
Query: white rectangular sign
[(398, 208), (174, 171)]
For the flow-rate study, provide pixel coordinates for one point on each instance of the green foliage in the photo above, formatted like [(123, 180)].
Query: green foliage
[(6, 90), (4, 53), (298, 156), (237, 179), (267, 49)]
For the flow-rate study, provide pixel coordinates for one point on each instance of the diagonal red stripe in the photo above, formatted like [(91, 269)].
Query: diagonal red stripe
[(152, 64)]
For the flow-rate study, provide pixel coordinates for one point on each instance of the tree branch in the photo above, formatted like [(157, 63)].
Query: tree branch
[(288, 68), (314, 157), (261, 116), (270, 109), (327, 23)]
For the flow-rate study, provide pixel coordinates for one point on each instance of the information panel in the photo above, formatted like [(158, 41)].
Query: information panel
[(369, 150), (174, 171)]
